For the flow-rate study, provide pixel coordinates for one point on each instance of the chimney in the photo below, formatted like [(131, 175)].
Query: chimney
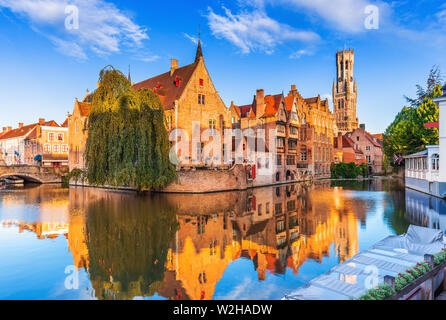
[(20, 125), (362, 126), (4, 129), (41, 121), (9, 128), (173, 66), (260, 103), (293, 87)]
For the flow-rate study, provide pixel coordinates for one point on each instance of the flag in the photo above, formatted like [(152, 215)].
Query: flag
[(395, 159), (16, 153), (400, 160)]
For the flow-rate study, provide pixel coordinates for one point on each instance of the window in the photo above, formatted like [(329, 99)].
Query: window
[(267, 208), (435, 162), (177, 82), (369, 159), (201, 82), (291, 160), (47, 148), (292, 144), (201, 99), (212, 126), (367, 148), (357, 138), (278, 209), (294, 131), (303, 154), (294, 115), (64, 148), (280, 143), (51, 136), (259, 209), (56, 148), (60, 137), (280, 129), (279, 160)]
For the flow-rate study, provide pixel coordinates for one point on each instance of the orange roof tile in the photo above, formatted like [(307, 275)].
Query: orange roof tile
[(25, 130), (289, 103), (65, 123), (84, 108), (272, 104)]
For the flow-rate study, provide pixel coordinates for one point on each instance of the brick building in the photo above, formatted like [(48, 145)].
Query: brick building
[(77, 132), (347, 151), (370, 146), (191, 103), (43, 143)]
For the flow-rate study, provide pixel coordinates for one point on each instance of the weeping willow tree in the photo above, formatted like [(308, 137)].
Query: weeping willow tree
[(127, 141)]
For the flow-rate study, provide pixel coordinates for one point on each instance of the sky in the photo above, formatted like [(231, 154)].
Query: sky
[(51, 51)]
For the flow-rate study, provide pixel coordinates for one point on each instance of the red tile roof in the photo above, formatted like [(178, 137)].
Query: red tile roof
[(272, 104), (84, 108), (164, 85), (372, 140), (25, 130), (65, 123), (289, 103)]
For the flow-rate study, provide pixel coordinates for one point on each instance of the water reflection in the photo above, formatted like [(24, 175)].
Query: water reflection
[(191, 246)]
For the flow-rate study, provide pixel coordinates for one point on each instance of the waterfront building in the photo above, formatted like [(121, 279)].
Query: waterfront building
[(43, 143), (347, 151), (78, 132), (345, 92), (370, 146), (192, 104), (316, 134), (425, 170)]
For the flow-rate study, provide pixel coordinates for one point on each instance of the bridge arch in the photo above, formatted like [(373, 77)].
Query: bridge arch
[(25, 177)]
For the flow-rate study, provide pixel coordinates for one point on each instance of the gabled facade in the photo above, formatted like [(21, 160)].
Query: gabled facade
[(315, 135), (347, 151), (190, 99), (371, 147), (42, 143)]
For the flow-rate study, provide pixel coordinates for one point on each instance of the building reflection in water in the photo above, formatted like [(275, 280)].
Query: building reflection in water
[(424, 210), (179, 246)]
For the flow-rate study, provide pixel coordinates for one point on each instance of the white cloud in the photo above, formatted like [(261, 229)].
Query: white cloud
[(103, 28), (254, 30), (344, 15), (191, 38), (298, 54)]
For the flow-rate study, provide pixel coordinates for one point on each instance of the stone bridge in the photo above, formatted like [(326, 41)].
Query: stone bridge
[(34, 174)]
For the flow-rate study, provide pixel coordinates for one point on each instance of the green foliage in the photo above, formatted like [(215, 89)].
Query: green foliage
[(382, 292), (407, 133), (75, 174), (127, 142), (405, 278), (440, 257), (348, 170)]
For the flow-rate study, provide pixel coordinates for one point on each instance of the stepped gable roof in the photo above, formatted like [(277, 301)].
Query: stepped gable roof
[(169, 87), (26, 130)]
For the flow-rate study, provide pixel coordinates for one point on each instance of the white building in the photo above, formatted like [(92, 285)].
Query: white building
[(426, 170)]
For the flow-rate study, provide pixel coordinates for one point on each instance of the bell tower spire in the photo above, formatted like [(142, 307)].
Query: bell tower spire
[(199, 49)]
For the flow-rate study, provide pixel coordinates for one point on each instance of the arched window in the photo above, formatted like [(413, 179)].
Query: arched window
[(435, 162)]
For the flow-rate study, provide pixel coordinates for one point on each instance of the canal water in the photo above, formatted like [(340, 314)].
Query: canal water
[(84, 243)]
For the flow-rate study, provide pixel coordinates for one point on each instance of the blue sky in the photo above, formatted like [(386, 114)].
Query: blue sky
[(248, 45)]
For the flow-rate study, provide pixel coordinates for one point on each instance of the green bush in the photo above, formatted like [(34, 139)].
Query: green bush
[(440, 257), (348, 170), (382, 292), (75, 174)]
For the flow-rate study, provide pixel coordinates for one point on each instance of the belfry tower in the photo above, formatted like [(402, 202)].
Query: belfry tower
[(345, 92)]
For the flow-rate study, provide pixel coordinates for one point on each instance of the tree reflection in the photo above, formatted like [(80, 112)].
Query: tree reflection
[(128, 240)]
